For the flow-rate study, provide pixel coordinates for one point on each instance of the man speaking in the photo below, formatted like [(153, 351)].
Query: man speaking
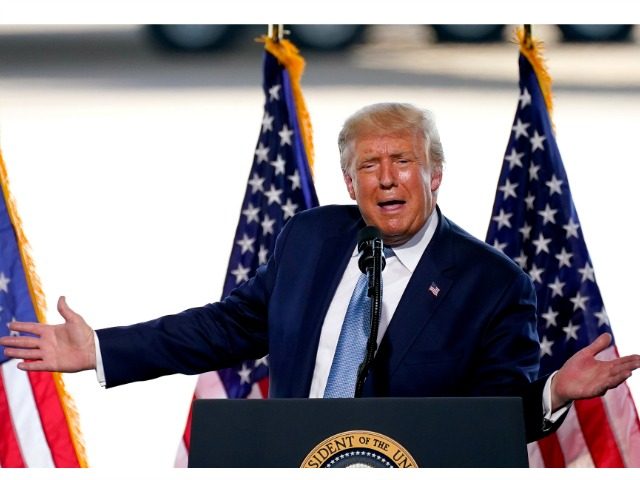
[(457, 317)]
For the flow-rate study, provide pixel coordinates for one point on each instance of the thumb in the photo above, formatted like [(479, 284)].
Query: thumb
[(66, 312), (599, 344)]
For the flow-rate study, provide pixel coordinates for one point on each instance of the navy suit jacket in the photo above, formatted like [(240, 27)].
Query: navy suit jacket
[(477, 336)]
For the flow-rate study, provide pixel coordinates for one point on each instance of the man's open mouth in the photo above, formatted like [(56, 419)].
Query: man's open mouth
[(391, 203)]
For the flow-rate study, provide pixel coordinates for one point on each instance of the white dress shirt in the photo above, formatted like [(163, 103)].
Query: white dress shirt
[(395, 278)]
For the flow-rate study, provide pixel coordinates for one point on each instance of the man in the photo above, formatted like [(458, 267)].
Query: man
[(458, 317)]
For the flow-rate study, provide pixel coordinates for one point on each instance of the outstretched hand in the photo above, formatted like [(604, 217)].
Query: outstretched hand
[(68, 347), (584, 376)]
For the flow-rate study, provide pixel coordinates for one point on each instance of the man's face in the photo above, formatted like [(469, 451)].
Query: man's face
[(393, 184)]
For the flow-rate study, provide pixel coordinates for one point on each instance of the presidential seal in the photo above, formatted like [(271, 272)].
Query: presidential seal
[(359, 448)]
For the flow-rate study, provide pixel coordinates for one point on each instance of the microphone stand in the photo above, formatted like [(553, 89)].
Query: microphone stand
[(374, 274)]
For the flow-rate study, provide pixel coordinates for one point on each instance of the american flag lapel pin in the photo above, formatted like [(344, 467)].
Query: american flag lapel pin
[(434, 289)]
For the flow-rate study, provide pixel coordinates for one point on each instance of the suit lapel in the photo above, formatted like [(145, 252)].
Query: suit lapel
[(425, 292), (330, 265)]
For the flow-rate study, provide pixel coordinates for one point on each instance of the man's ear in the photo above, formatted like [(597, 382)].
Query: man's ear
[(349, 182), (436, 179)]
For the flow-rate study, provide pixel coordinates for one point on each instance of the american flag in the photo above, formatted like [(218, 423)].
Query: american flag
[(535, 222), (279, 186), (38, 425)]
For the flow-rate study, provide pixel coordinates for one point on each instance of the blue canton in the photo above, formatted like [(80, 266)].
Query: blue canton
[(15, 300), (279, 186), (535, 222)]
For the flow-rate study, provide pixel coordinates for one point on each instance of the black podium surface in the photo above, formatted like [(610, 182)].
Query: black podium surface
[(432, 432)]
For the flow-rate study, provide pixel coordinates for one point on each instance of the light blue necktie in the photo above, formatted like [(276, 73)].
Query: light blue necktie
[(352, 343)]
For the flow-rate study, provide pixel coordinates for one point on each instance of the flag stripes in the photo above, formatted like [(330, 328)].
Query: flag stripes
[(23, 409), (38, 423)]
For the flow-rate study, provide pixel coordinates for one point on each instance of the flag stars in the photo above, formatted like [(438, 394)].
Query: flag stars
[(536, 273), (4, 282), (579, 302), (545, 347), (499, 246), (529, 199), (564, 258), (508, 189), (533, 172), (514, 158), (520, 128), (548, 214), (541, 244), (295, 180), (289, 209), (246, 244), (525, 230), (262, 153), (274, 92), (603, 318), (554, 185), (550, 318), (571, 331), (556, 287), (521, 260), (251, 213), (267, 225), (267, 122), (262, 361), (587, 273), (503, 219), (263, 253), (285, 135), (256, 183), (571, 228), (278, 164), (273, 195), (537, 141), (524, 98), (245, 374), (241, 273)]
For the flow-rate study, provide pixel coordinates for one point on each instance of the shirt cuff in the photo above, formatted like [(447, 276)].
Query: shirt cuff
[(550, 417), (99, 367)]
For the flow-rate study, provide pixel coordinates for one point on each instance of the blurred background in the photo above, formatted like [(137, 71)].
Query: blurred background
[(128, 149)]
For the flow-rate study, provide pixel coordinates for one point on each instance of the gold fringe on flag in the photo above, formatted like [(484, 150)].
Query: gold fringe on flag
[(39, 306), (289, 56), (533, 50)]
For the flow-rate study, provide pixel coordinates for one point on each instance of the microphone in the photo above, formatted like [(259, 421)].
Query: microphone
[(371, 263), (367, 239)]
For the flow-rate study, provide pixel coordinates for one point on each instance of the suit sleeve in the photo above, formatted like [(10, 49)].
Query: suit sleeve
[(197, 340), (510, 349)]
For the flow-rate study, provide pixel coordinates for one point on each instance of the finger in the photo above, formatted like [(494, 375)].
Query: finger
[(20, 342), (27, 327), (35, 366), (625, 364), (66, 312), (598, 345), (25, 354)]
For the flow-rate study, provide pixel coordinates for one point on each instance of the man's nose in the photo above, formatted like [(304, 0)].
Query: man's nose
[(387, 175)]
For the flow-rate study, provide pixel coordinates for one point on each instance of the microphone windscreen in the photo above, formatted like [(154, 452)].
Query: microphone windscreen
[(367, 234)]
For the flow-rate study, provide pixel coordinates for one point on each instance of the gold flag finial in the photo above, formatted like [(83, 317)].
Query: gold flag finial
[(276, 32), (527, 36)]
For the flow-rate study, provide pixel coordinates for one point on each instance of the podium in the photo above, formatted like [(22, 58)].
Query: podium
[(375, 432)]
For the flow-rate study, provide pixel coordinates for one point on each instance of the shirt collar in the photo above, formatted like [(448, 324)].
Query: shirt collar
[(410, 252)]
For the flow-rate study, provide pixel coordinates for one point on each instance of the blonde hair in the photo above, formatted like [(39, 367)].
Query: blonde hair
[(390, 118)]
